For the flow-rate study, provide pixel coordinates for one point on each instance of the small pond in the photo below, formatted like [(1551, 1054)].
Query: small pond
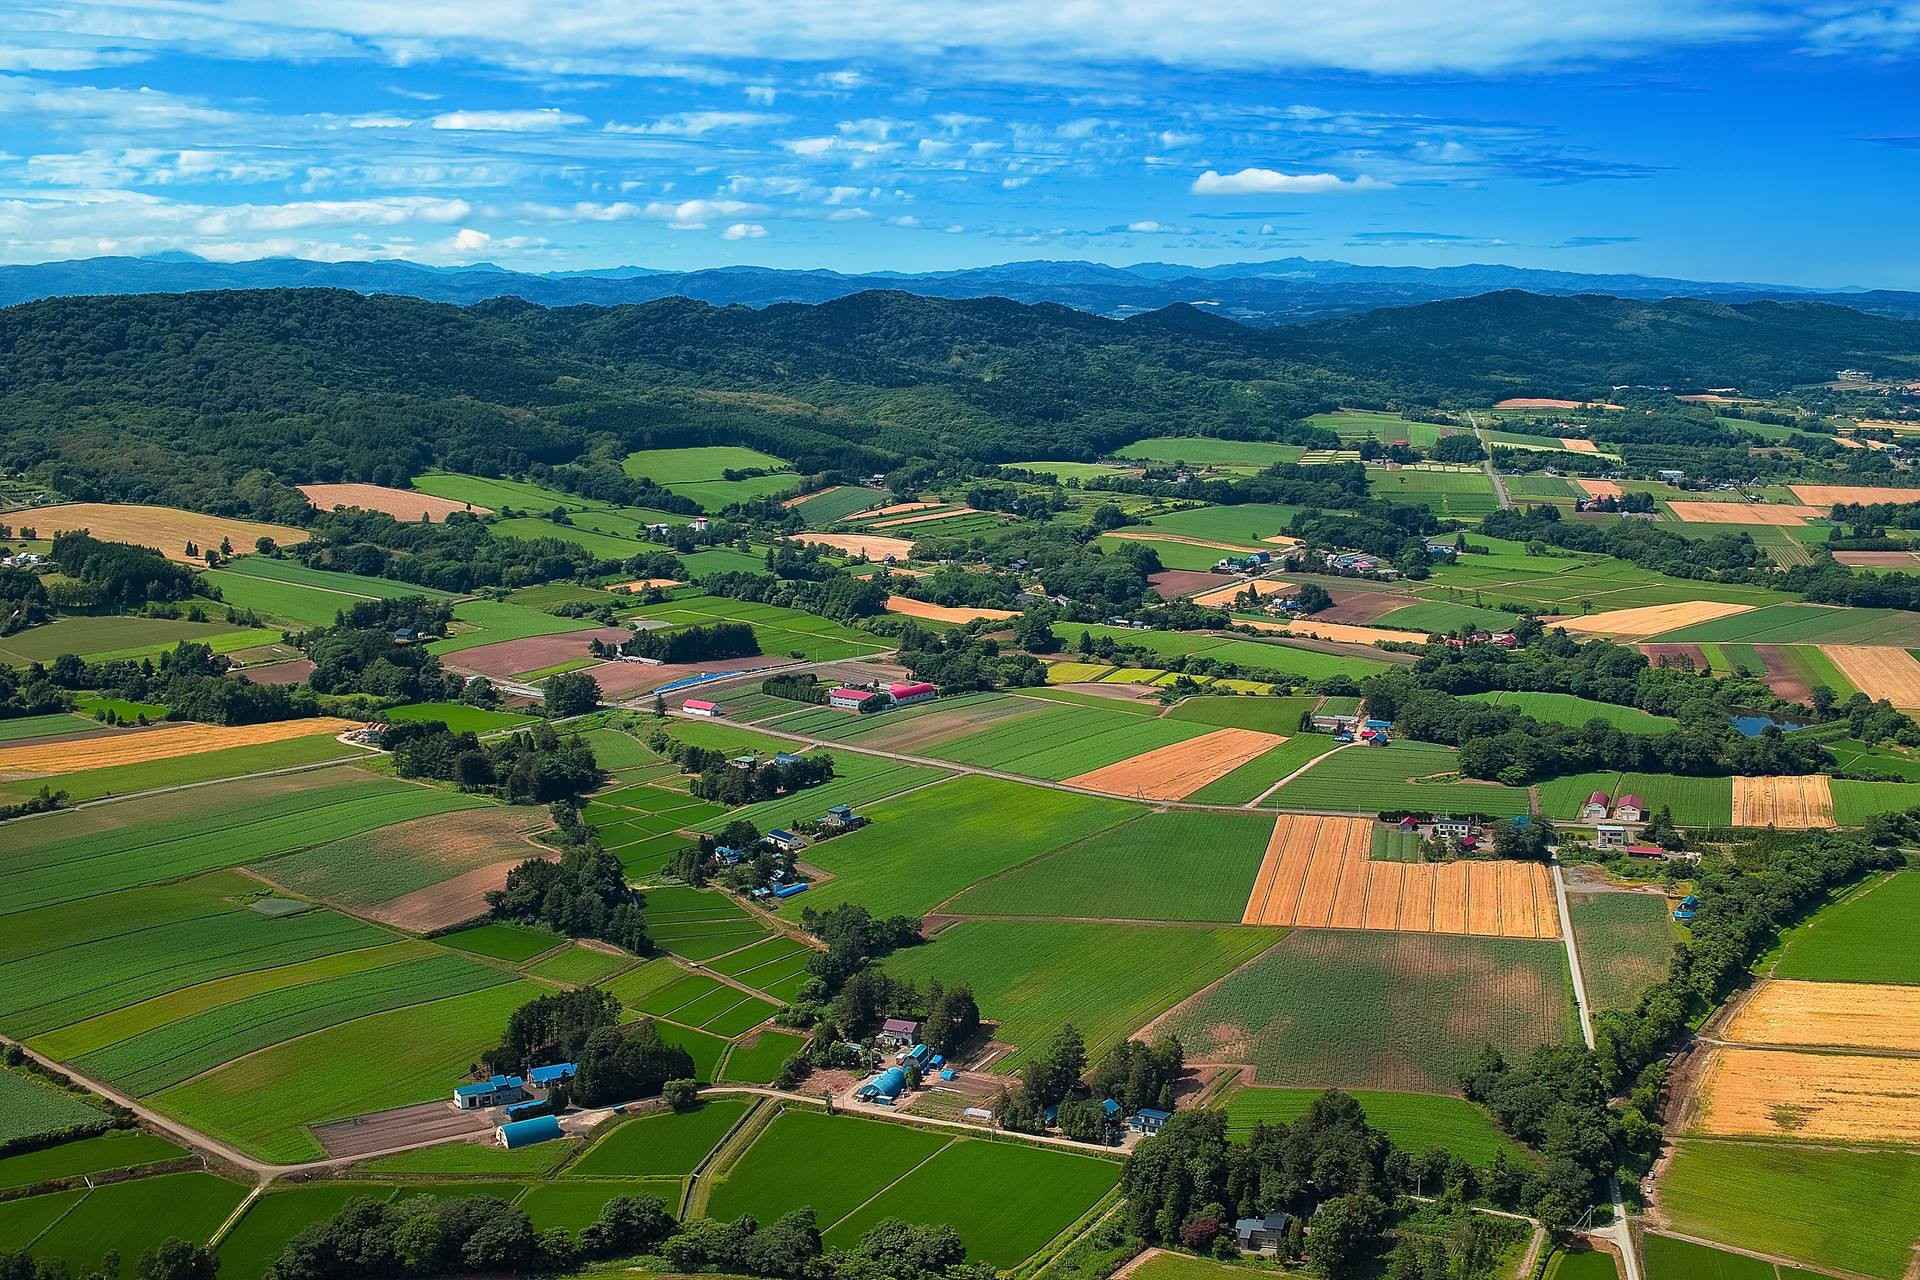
[(1752, 724)]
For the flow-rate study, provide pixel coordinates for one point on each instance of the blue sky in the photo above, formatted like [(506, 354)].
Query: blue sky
[(1743, 140)]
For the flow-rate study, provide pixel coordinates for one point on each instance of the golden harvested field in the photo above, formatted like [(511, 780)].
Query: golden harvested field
[(1538, 402), (1827, 495), (896, 521), (1831, 1096), (165, 529), (401, 504), (1649, 620), (1846, 1015), (1314, 629), (1769, 513), (798, 498), (1177, 771), (1878, 671), (1791, 803), (942, 613), (641, 584), (898, 508), (1574, 444), (1846, 443), (165, 743), (1141, 535), (1600, 488), (1264, 588), (874, 546), (1317, 874)]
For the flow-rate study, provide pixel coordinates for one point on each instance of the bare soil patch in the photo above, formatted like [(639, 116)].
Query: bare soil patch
[(1171, 584), (292, 671), (401, 504), (1811, 1096), (624, 679), (1878, 559), (797, 499), (1538, 402), (1828, 495), (1768, 513), (1357, 608), (1575, 444), (1781, 675), (451, 902), (1673, 653), (1599, 488), (531, 653), (382, 1130), (872, 545), (1177, 771), (1264, 588)]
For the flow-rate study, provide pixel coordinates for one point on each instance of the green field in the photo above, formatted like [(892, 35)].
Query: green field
[(1055, 741), (514, 943), (120, 636), (22, 1221), (1804, 624), (263, 1103), (291, 591), (1030, 977), (706, 462), (1037, 1194), (1584, 1264), (778, 1173), (572, 1206), (1417, 1122), (30, 1106), (922, 848), (1696, 802), (838, 504), (1566, 584), (459, 717), (1088, 470), (1827, 1206), (1256, 776), (1371, 779), (1448, 494), (1199, 451), (372, 868), (206, 766), (658, 1145), (1669, 1259), (1625, 941), (130, 1218), (491, 621), (1262, 656), (472, 1159), (1268, 715), (699, 925), (759, 1062), (1855, 802), (579, 966), (1163, 866), (781, 632), (259, 1238), (26, 728), (119, 1149), (1443, 618), (1867, 937), (1395, 1011), (1571, 709)]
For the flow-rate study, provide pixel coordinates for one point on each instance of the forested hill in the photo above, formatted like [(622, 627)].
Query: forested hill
[(179, 397)]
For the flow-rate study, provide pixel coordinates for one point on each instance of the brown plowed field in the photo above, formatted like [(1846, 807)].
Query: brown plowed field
[(1832, 1096), (1650, 620), (1878, 671), (165, 529), (1358, 608), (1317, 873), (1599, 488), (1266, 589), (1171, 584), (1850, 1015), (450, 902), (1574, 444), (798, 498), (166, 743), (1674, 652), (641, 584), (1828, 495), (1177, 771), (912, 608), (401, 504), (1878, 559), (1538, 402), (292, 671), (624, 679), (1770, 513), (532, 653), (1143, 535), (875, 546), (1792, 803), (1782, 676)]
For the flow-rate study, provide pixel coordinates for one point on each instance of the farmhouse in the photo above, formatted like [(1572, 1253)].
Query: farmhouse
[(1148, 1120), (1266, 1235), (1334, 724), (847, 699), (524, 1133), (897, 1033), (912, 691), (1630, 808), (841, 818), (1596, 806), (1452, 828), (495, 1092), (785, 840), (1610, 835), (701, 707)]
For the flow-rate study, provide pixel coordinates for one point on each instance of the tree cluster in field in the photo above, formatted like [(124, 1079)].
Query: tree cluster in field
[(1729, 557), (535, 765), (584, 894), (360, 654), (838, 595), (598, 476), (1342, 1181), (1831, 583), (708, 642), (120, 575), (1038, 507), (1334, 486), (1067, 562), (23, 601), (582, 1026), (717, 778), (189, 679), (1133, 1074), (962, 661), (956, 588), (1460, 448), (458, 554), (568, 694), (796, 686), (1398, 531)]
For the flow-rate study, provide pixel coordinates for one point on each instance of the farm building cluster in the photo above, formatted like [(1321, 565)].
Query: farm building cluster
[(528, 1105), (871, 699)]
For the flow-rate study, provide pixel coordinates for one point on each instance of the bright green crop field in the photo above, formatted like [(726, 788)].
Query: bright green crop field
[(699, 925), (258, 1239), (1205, 451), (1369, 779), (93, 637), (118, 1149), (1625, 941), (26, 728), (922, 848), (1256, 776), (706, 462), (30, 1106), (499, 940), (1669, 1259), (1031, 976), (1571, 709), (459, 717), (1804, 624), (1268, 715), (1180, 865), (1058, 741), (1417, 1122), (759, 1061), (1269, 657), (130, 1218), (780, 1171), (658, 1145), (1828, 1206), (1400, 1011), (1869, 936), (571, 1206)]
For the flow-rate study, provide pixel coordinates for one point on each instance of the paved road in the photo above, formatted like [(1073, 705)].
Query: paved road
[(1499, 485), (1620, 1230)]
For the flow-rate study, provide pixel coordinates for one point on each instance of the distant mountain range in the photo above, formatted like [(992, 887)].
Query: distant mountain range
[(1280, 292)]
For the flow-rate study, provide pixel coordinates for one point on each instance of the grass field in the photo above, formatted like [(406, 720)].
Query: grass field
[(1450, 494), (1624, 940), (259, 1238), (27, 728), (1378, 1010), (263, 1103), (1804, 624), (1265, 657), (837, 504), (22, 1221), (707, 462), (658, 1145), (1269, 715), (759, 1062), (699, 925), (1417, 1122), (1827, 1206), (1130, 872), (1855, 802), (781, 632), (1669, 1259), (1202, 451), (572, 1206), (370, 870), (119, 1149), (1571, 709), (1441, 618), (1256, 776), (491, 621), (1583, 1264), (1371, 779), (1030, 977), (514, 943), (309, 597), (1696, 802), (777, 1174), (922, 848), (92, 637), (1868, 937), (1055, 741), (30, 1106), (129, 1218), (1037, 1195), (459, 717)]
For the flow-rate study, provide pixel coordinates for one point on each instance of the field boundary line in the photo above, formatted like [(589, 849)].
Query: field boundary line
[(233, 1219), (1255, 802), (1042, 856), (930, 1157), (1776, 1259)]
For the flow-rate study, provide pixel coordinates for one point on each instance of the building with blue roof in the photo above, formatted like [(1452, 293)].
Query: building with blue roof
[(1148, 1120), (556, 1073), (885, 1087), (494, 1092), (524, 1133)]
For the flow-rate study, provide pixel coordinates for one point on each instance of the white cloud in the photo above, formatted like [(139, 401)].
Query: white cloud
[(1148, 226), (761, 94), (692, 215), (1883, 29), (744, 231), (1267, 182), (467, 240), (1172, 138), (386, 211), (379, 122), (56, 58), (538, 120), (694, 124), (903, 220)]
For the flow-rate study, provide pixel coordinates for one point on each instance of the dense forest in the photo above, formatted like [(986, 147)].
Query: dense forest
[(222, 400)]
